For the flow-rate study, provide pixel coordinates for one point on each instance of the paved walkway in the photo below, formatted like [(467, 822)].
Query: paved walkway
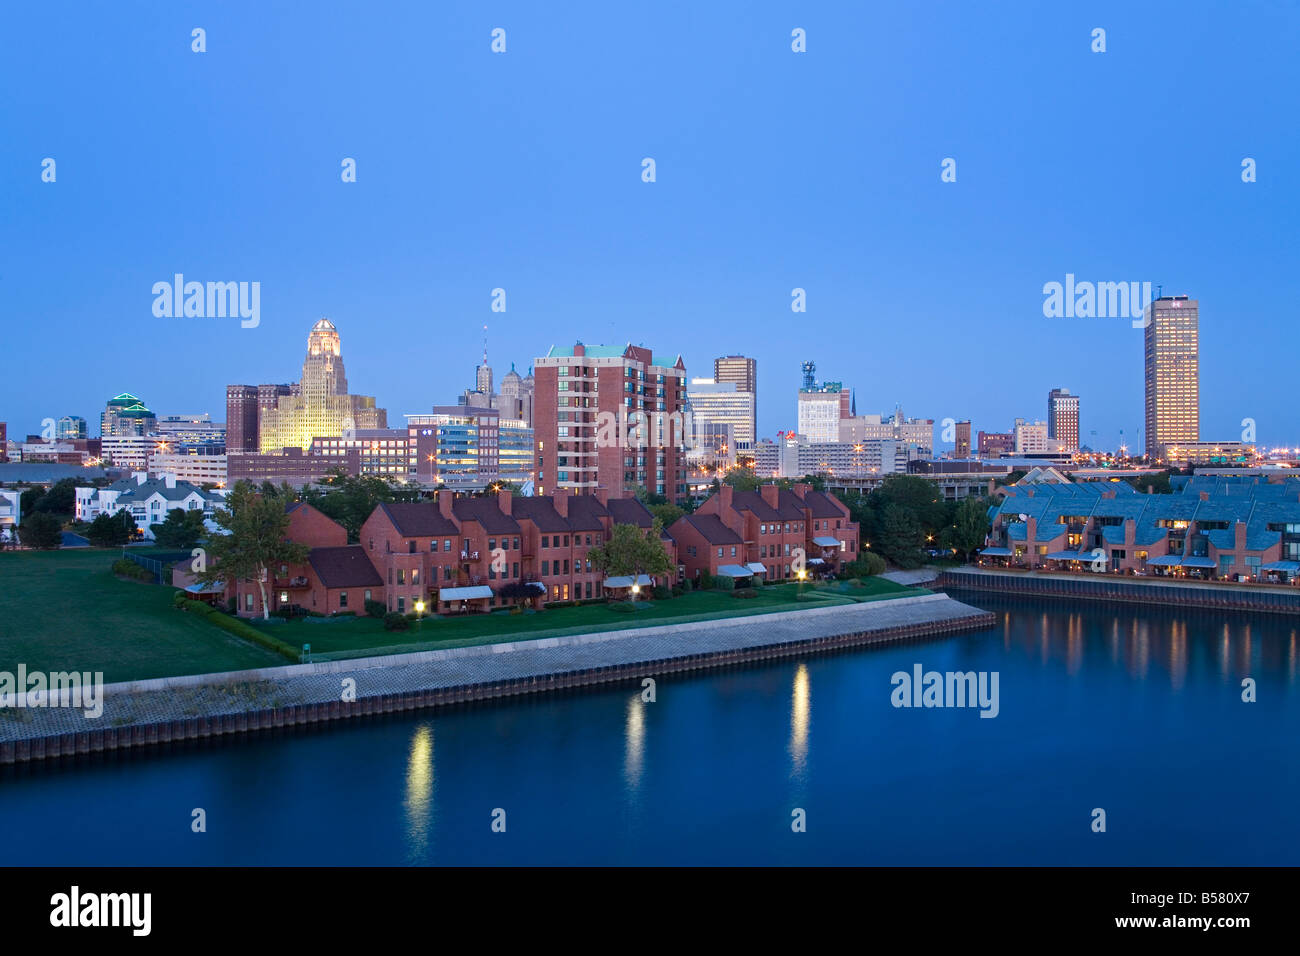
[(214, 695), (912, 578)]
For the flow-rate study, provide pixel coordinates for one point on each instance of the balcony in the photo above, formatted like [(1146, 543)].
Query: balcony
[(291, 584), (469, 555)]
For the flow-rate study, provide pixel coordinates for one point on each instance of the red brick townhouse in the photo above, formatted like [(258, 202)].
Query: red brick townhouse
[(451, 545), (758, 532), (335, 577)]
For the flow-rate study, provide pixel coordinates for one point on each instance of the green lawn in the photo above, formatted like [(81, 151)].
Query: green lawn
[(65, 610), (355, 637)]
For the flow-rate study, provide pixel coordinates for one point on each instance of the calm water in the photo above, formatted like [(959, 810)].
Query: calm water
[(1134, 711)]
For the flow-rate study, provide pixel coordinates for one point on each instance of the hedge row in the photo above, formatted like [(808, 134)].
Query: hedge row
[(235, 626)]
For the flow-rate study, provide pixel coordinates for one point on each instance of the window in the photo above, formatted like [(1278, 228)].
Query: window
[(372, 544), (446, 544), (284, 597), (446, 572), (566, 567), (566, 540), (719, 552), (546, 541), (390, 575), (546, 568), (516, 570), (367, 594), (248, 601), (343, 598), (410, 547), (415, 575), (515, 545), (492, 544), (401, 605), (589, 545)]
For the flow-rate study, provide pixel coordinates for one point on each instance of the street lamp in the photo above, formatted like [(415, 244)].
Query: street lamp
[(419, 608)]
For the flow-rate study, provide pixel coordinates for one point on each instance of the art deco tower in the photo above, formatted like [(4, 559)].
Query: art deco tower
[(322, 407)]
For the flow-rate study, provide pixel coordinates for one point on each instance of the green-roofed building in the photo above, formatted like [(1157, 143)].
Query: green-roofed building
[(125, 414)]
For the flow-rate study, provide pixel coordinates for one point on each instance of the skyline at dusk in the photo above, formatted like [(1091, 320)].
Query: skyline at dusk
[(225, 166)]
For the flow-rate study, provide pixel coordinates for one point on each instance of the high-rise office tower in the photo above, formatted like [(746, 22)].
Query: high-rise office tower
[(610, 416), (744, 373), (1063, 418), (722, 403), (1173, 381)]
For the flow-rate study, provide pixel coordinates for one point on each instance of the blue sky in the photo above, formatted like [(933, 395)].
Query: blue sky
[(775, 170)]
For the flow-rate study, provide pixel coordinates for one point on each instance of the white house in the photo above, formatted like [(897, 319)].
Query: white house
[(149, 500), (10, 510)]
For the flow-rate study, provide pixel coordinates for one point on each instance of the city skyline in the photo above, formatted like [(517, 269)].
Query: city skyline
[(912, 284)]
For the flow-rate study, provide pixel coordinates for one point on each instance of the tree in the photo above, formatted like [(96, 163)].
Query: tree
[(970, 525), (900, 536), (180, 529), (742, 479), (632, 552), (41, 531), (111, 530), (31, 497), (255, 543), (666, 513), (518, 592), (350, 499), (61, 499)]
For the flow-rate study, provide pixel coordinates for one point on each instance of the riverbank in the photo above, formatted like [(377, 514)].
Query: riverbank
[(145, 713), (1126, 590)]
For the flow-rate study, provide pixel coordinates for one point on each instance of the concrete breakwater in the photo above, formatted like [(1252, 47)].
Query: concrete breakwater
[(145, 713), (1261, 599)]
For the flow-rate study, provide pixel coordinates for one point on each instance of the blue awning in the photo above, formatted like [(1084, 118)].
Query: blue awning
[(1167, 560), (1292, 567), (1197, 561), (734, 571), (826, 541), (997, 552), (1069, 556)]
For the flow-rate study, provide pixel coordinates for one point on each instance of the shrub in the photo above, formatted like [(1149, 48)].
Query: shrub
[(376, 609), (232, 604), (686, 587), (126, 568), (663, 592), (871, 564), (622, 607), (706, 580), (344, 614), (756, 581), (677, 590), (235, 626), (396, 622), (724, 583), (745, 593)]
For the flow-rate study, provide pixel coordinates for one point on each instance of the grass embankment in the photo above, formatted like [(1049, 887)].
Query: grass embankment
[(65, 610)]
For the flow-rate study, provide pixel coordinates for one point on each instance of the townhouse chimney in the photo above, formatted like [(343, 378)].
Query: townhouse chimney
[(445, 496)]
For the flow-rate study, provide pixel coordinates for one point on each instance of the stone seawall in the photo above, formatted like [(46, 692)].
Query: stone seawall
[(146, 713), (1126, 590)]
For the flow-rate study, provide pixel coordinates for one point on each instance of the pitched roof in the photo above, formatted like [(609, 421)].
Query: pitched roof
[(419, 519), (541, 512), (629, 511), (344, 567), (753, 502), (712, 529), (486, 512), (585, 512), (822, 505)]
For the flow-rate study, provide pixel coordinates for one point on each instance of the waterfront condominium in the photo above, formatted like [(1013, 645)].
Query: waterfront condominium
[(1173, 404), (609, 417)]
